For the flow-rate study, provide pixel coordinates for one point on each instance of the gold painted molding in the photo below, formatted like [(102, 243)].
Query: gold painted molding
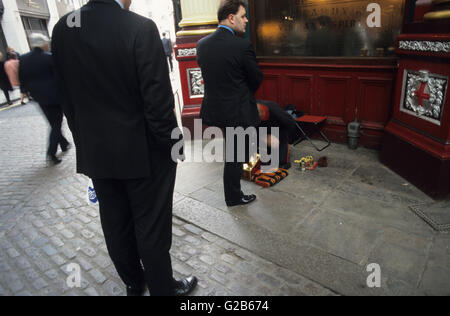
[(196, 32), (198, 23), (438, 14)]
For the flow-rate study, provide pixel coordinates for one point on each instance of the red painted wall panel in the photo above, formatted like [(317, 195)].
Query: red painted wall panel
[(339, 91)]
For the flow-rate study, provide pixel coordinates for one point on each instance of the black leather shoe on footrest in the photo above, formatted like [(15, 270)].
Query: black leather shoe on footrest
[(185, 286), (246, 199)]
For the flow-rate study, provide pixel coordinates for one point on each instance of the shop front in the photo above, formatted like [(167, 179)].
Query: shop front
[(341, 59)]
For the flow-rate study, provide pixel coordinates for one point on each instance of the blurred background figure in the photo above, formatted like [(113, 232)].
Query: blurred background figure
[(11, 53), (168, 49), (12, 70), (5, 84), (37, 76)]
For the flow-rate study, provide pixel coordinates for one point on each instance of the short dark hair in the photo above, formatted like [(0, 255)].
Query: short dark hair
[(228, 7)]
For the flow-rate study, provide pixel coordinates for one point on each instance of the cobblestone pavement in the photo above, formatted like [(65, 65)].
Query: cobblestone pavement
[(46, 224)]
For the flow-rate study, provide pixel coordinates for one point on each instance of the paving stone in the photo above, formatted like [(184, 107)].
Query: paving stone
[(178, 232), (15, 285), (69, 253), (181, 268), (98, 276), (102, 261), (207, 259), (39, 284), (113, 289), (49, 250), (193, 229), (22, 263), (52, 274), (47, 232), (229, 259), (209, 237), (219, 278), (40, 242), (87, 234), (192, 240), (59, 260), (269, 280), (181, 256), (198, 266), (13, 253), (89, 251), (91, 292), (222, 268), (42, 264), (86, 265), (57, 242), (67, 234), (31, 274), (83, 219)]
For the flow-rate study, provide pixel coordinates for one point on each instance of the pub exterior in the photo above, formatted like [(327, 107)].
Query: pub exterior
[(384, 63)]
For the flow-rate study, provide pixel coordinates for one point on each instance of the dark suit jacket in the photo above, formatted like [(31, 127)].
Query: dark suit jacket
[(232, 76), (37, 76), (116, 91)]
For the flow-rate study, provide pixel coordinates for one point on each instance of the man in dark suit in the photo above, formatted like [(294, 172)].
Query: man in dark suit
[(232, 76), (119, 104), (168, 49), (37, 76)]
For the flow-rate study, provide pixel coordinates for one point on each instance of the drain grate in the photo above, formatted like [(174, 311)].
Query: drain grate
[(437, 215)]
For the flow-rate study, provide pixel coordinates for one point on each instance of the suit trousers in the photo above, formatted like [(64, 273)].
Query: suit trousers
[(54, 115), (233, 171), (169, 58), (136, 217), (6, 93)]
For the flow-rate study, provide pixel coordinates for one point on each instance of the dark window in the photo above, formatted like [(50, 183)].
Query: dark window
[(332, 28), (34, 25)]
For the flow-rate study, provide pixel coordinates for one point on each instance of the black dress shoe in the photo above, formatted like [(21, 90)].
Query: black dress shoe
[(135, 291), (185, 286), (246, 199), (53, 160), (67, 148)]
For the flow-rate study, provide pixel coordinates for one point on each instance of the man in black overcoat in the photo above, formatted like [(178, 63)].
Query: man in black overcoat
[(37, 76), (118, 100), (232, 76)]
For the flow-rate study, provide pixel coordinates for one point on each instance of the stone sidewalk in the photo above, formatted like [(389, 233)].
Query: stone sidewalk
[(46, 225)]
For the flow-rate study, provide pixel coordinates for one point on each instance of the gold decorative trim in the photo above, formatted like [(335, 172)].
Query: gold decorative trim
[(196, 32), (198, 23), (438, 15), (440, 1)]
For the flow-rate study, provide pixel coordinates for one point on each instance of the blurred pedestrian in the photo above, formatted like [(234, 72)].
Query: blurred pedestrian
[(119, 104), (168, 49), (37, 76), (12, 70), (5, 84), (11, 53)]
